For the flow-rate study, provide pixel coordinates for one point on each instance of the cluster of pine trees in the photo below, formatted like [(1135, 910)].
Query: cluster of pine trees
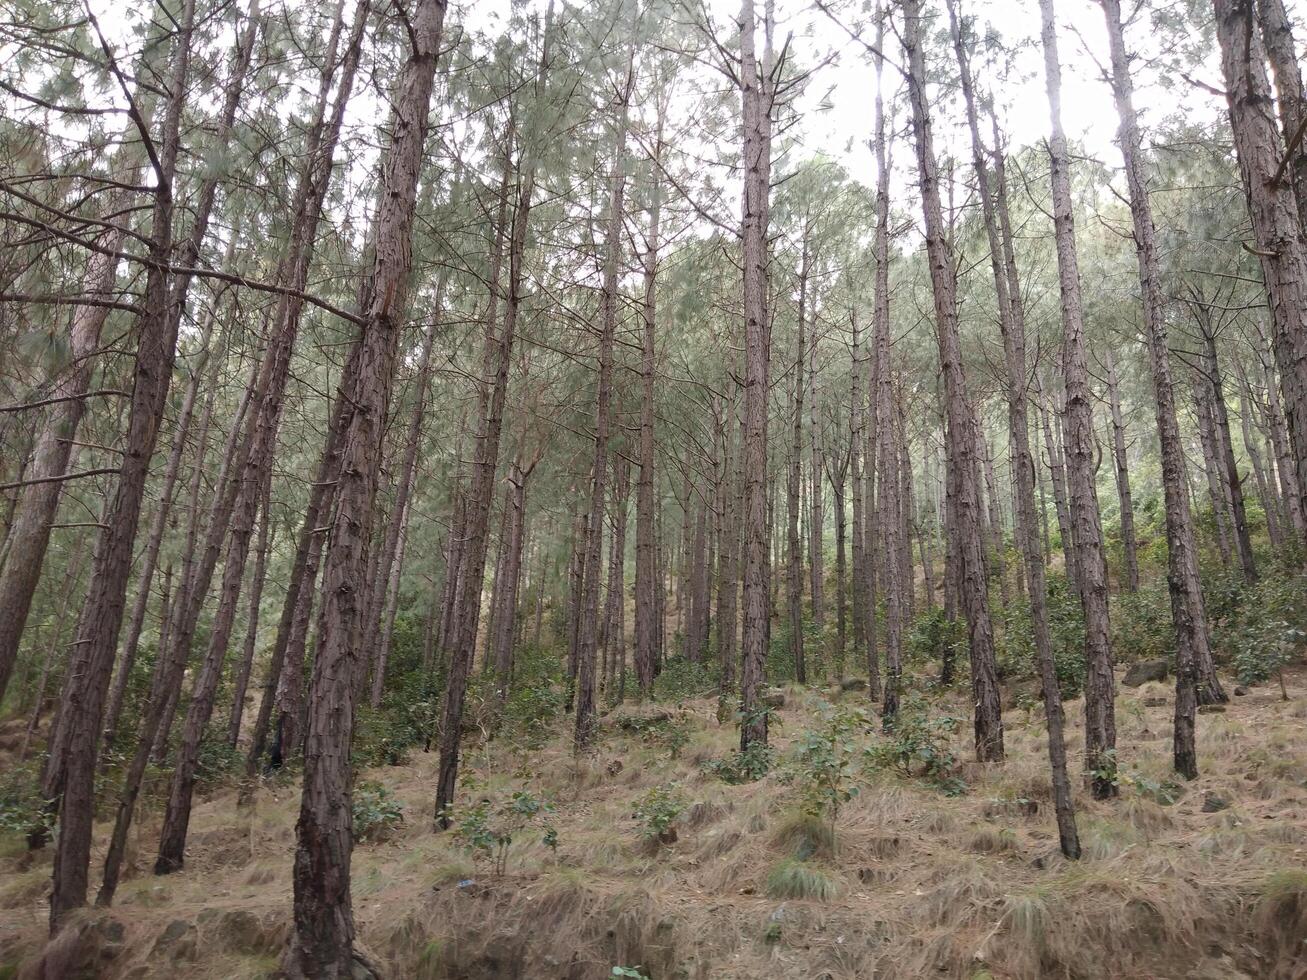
[(336, 340)]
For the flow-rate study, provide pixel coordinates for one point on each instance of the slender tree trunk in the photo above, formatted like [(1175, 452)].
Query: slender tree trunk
[(756, 106), (1195, 675), (585, 708), (91, 665), (1011, 308), (1087, 530), (817, 512), (241, 682), (323, 936), (961, 428), (794, 553), (1274, 210)]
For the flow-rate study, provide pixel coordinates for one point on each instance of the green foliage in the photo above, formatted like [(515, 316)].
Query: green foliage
[(22, 809), (1108, 770), (486, 831), (743, 767), (933, 638), (825, 756), (1066, 626), (217, 760), (681, 679), (657, 812), (376, 812), (919, 747), (1267, 628), (408, 716), (1141, 625)]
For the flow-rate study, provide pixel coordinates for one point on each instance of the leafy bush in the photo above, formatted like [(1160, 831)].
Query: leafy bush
[(486, 831), (919, 747), (1267, 630), (824, 759), (657, 811), (1066, 626), (1141, 625), (681, 679), (217, 760), (22, 810), (935, 639), (376, 812), (743, 767)]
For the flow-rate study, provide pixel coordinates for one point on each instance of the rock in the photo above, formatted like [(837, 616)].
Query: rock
[(1146, 670), (853, 684), (1211, 709), (177, 942), (614, 767), (773, 697), (1214, 804), (242, 931), (1156, 702), (1240, 691), (638, 717)]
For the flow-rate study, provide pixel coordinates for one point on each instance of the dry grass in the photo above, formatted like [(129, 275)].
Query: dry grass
[(910, 883)]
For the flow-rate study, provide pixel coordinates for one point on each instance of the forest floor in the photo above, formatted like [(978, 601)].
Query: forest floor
[(915, 882)]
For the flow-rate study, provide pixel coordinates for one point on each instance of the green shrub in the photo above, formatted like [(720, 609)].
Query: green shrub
[(1066, 626), (657, 812), (824, 759), (743, 767), (217, 760), (919, 747), (486, 831), (935, 639), (681, 679), (23, 811), (376, 812)]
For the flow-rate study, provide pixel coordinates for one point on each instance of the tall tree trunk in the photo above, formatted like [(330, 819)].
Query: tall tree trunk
[(1273, 207), (237, 506), (856, 440), (91, 665), (1087, 530), (961, 428), (1195, 675), (817, 512), (585, 707), (323, 936), (486, 454), (242, 679), (794, 552), (1011, 309), (756, 106), (646, 575), (1224, 444)]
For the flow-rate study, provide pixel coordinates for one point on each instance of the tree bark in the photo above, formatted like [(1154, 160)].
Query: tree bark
[(323, 937), (1011, 309), (1129, 542), (1087, 530), (960, 430), (756, 107)]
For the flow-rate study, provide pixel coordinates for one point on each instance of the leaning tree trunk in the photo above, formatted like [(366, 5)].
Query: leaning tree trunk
[(322, 942), (91, 666), (1273, 206)]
